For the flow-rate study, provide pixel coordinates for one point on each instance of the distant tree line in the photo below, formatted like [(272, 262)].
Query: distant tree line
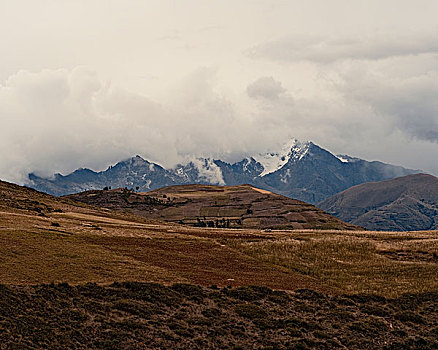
[(218, 223)]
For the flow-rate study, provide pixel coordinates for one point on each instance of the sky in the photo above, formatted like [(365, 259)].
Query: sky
[(89, 83)]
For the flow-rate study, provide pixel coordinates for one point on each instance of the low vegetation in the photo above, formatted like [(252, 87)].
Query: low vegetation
[(143, 316)]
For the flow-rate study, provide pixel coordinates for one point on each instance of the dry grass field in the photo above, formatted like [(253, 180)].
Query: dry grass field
[(44, 239), (78, 248), (383, 263), (324, 289)]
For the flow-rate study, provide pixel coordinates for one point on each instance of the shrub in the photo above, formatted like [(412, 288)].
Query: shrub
[(211, 312), (189, 290), (250, 293), (250, 311)]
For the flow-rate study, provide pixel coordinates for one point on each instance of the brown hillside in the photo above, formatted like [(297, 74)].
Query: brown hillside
[(241, 206), (406, 203), (45, 239)]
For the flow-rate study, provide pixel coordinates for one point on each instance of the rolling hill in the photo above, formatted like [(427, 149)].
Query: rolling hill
[(406, 203), (46, 239), (242, 206)]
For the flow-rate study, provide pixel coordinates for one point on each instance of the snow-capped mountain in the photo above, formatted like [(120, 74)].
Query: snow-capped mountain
[(273, 161), (300, 170)]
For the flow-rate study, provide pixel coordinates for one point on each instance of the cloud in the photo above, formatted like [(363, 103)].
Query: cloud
[(208, 171), (265, 87), (409, 103), (60, 120), (51, 121), (327, 50)]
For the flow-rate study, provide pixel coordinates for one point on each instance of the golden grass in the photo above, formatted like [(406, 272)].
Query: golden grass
[(44, 239), (40, 254), (383, 263)]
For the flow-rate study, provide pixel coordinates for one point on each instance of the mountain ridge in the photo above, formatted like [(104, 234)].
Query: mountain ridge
[(407, 203), (301, 170)]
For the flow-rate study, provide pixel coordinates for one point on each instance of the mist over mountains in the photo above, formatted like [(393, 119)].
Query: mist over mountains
[(301, 170)]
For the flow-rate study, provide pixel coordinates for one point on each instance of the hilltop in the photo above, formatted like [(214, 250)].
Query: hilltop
[(406, 203), (243, 206)]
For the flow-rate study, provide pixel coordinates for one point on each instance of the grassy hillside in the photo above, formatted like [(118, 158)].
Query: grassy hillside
[(242, 206), (65, 242)]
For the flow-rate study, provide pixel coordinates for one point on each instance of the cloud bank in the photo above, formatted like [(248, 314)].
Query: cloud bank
[(60, 120), (175, 80), (265, 87)]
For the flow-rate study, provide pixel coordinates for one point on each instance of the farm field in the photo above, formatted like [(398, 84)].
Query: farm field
[(78, 247)]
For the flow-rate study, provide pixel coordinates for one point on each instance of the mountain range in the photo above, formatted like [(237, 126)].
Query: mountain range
[(300, 170), (407, 203)]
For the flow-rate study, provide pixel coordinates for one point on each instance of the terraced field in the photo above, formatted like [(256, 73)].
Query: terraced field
[(243, 206)]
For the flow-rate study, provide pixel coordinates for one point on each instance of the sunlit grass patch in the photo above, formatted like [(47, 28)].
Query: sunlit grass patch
[(351, 262)]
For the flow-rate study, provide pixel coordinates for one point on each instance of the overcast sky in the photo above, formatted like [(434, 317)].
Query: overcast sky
[(88, 83)]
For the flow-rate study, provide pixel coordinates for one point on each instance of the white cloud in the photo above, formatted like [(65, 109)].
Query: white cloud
[(59, 120), (407, 103), (208, 171)]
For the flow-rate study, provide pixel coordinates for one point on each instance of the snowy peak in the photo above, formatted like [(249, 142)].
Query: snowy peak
[(292, 151), (299, 150), (347, 159), (299, 170), (136, 161)]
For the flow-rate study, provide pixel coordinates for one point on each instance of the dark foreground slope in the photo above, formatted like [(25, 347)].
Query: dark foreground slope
[(152, 316), (406, 203), (241, 206)]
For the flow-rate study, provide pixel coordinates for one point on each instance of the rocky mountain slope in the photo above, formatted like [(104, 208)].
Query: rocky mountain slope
[(402, 204), (242, 206), (300, 170)]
